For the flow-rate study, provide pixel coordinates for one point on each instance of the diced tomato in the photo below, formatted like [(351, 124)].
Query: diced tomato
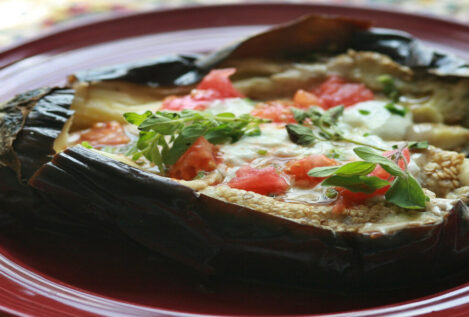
[(218, 80), (304, 99), (277, 111), (201, 156), (263, 181), (104, 133), (299, 169), (354, 198), (215, 85), (336, 91)]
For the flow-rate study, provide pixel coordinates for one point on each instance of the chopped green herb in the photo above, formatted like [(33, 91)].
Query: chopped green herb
[(300, 134), (418, 145), (364, 112), (396, 109), (86, 145), (200, 175), (389, 87), (366, 134), (324, 127), (331, 193), (262, 152), (165, 135)]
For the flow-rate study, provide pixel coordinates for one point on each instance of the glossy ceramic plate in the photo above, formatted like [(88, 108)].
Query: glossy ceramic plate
[(89, 270)]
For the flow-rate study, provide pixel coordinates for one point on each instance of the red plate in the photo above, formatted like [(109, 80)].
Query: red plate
[(78, 271)]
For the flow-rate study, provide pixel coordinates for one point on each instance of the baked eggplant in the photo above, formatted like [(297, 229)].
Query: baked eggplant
[(350, 218)]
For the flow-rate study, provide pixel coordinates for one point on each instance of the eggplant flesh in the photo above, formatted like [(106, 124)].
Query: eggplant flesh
[(207, 232)]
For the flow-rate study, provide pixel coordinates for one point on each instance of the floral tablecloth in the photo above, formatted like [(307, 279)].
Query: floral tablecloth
[(20, 19)]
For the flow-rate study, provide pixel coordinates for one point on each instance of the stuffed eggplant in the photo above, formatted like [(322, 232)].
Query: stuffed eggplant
[(293, 157)]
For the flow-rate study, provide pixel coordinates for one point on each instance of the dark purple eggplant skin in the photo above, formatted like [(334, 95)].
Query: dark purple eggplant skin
[(176, 70), (303, 37), (227, 240), (29, 125)]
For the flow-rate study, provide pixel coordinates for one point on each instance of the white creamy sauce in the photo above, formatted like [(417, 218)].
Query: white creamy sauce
[(379, 121)]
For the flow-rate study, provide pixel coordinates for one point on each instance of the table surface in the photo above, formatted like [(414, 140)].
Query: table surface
[(21, 19)]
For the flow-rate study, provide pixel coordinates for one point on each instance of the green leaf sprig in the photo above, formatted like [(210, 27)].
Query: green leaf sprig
[(404, 192), (165, 135), (323, 127)]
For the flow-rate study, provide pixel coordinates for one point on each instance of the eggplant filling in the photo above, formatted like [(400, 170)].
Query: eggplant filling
[(346, 143)]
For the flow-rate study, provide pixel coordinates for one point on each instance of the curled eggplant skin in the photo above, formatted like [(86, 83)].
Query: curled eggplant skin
[(227, 240), (29, 125), (177, 70), (311, 34)]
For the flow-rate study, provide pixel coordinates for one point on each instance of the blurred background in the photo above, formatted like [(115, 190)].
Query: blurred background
[(20, 19)]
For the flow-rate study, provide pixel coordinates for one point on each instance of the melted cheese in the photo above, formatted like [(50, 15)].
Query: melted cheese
[(237, 106)]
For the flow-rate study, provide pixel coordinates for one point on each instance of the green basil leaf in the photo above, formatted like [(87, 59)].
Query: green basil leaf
[(369, 155), (332, 115), (300, 134), (135, 118), (350, 169), (299, 115), (323, 171), (406, 192), (362, 184), (356, 168)]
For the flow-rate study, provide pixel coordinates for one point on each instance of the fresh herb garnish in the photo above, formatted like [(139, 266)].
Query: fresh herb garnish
[(404, 192), (357, 183), (166, 135), (364, 112), (262, 152), (323, 127), (86, 145), (200, 175), (396, 109), (389, 87), (331, 193), (418, 145)]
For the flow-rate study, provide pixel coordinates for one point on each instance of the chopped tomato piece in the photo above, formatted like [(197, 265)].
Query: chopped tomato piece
[(353, 198), (277, 111), (336, 91), (218, 80), (104, 133), (263, 181), (200, 156), (299, 169), (304, 99), (215, 85)]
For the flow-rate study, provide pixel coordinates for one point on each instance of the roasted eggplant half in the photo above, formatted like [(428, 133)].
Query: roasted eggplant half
[(320, 154)]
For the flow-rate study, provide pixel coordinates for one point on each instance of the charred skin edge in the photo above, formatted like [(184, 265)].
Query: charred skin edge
[(177, 70), (310, 34), (29, 126), (226, 240)]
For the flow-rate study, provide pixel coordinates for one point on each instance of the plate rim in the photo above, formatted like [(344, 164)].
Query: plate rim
[(410, 306)]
